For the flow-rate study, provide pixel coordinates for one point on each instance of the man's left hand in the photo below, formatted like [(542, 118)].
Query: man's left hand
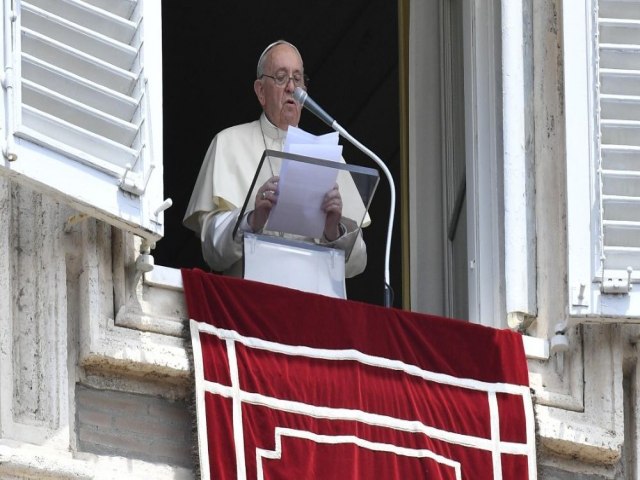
[(332, 206)]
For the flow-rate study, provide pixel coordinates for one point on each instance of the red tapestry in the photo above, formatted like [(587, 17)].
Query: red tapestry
[(292, 385)]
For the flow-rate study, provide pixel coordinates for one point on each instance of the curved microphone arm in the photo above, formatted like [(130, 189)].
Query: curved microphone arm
[(387, 281), (300, 96)]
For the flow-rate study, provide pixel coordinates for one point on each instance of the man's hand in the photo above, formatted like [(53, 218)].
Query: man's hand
[(332, 206), (266, 198)]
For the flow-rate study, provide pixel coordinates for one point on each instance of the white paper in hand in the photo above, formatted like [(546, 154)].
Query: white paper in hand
[(302, 186)]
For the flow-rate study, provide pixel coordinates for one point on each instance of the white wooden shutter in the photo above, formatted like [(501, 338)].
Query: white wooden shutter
[(619, 96), (607, 282), (84, 112)]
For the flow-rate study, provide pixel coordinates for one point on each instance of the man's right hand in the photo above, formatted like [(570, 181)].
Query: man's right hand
[(266, 198)]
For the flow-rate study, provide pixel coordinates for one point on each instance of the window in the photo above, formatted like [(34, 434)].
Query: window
[(602, 65), (83, 106), (455, 161)]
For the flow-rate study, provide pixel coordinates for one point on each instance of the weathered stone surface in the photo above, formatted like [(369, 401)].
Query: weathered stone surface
[(57, 332)]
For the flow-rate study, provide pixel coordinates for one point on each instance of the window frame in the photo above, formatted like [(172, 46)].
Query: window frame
[(427, 223), (483, 127)]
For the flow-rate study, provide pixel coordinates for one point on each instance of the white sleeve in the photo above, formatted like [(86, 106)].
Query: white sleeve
[(357, 261), (220, 248)]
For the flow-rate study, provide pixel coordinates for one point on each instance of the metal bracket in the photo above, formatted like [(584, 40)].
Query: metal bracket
[(579, 297), (132, 185), (163, 206), (6, 80), (616, 283)]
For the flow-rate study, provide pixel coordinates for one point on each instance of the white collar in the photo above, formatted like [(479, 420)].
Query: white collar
[(270, 130)]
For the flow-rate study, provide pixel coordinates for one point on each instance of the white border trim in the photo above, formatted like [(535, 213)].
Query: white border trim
[(238, 396), (201, 411), (494, 416), (341, 439), (374, 419), (355, 355)]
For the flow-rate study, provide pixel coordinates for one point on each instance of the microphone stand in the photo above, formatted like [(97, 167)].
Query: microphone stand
[(387, 281), (300, 95)]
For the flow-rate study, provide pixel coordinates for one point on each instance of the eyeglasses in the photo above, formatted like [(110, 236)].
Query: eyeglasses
[(283, 78)]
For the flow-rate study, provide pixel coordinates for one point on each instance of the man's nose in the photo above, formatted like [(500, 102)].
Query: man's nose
[(290, 85)]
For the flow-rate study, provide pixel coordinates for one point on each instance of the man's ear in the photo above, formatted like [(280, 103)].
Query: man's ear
[(258, 87)]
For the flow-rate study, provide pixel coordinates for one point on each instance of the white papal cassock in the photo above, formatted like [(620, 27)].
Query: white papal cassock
[(222, 186)]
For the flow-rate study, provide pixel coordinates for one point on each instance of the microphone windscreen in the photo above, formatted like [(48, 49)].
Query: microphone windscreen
[(300, 96)]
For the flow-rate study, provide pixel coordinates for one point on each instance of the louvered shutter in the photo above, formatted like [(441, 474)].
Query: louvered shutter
[(86, 121), (607, 289), (619, 96)]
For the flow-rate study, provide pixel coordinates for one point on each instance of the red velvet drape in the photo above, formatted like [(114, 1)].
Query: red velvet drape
[(309, 387)]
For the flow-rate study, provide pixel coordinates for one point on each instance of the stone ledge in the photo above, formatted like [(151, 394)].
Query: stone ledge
[(26, 461), (152, 341), (140, 353), (586, 443)]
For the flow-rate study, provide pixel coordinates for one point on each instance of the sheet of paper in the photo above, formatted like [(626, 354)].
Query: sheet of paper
[(296, 135), (302, 186)]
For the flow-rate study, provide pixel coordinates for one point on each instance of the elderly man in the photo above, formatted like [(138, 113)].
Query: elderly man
[(231, 161)]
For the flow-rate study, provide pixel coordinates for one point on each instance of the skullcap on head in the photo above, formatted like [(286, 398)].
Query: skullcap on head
[(261, 60)]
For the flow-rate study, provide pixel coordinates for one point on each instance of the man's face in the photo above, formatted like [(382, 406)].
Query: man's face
[(277, 101)]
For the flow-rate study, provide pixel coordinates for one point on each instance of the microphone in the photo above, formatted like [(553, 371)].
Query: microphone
[(300, 95)]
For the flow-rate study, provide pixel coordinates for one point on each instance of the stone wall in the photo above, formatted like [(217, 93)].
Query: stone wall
[(133, 425), (80, 395)]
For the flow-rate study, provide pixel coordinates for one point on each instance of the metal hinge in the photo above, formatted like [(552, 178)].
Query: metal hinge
[(132, 184), (617, 281)]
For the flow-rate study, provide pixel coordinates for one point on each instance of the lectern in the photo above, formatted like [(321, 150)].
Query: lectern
[(290, 250)]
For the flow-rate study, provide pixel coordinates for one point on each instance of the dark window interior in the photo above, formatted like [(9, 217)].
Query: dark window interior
[(350, 52)]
